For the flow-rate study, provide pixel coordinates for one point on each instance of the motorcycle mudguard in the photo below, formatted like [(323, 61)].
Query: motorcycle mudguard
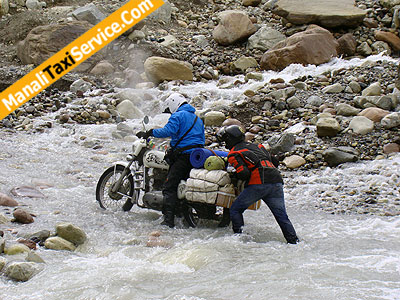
[(155, 159)]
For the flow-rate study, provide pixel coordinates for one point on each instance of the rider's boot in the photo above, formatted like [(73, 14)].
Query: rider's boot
[(168, 219)]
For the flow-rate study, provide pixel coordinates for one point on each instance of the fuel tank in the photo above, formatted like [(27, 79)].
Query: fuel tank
[(155, 159)]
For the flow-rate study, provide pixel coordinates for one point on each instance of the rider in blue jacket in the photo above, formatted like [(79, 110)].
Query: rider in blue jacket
[(186, 132)]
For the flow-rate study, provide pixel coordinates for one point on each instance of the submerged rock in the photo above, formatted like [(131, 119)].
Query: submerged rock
[(27, 191), (6, 200), (21, 271)]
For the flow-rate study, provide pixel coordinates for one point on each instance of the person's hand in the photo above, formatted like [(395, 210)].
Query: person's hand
[(144, 134)]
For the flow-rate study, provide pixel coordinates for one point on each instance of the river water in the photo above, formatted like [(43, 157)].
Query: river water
[(340, 256)]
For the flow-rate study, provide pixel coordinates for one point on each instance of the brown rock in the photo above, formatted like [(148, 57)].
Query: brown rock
[(347, 45), (30, 244), (234, 26), (22, 216), (390, 38), (391, 148), (6, 200), (315, 45), (159, 69), (374, 113)]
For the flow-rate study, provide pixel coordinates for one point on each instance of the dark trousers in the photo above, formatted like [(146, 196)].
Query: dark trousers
[(273, 196), (178, 171)]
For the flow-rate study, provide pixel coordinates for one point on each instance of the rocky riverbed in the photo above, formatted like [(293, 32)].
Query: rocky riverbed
[(319, 106)]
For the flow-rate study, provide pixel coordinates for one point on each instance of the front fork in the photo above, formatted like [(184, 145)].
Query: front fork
[(139, 183)]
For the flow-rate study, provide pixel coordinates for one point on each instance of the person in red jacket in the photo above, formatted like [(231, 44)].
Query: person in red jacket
[(258, 168)]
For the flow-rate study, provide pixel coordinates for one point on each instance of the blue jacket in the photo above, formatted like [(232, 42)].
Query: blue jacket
[(180, 122)]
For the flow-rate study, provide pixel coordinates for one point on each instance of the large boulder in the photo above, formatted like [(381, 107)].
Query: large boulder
[(315, 45), (361, 125), (22, 216), (42, 42), (159, 69), (388, 37), (58, 243), (21, 271), (340, 155), (327, 13), (71, 233), (234, 26)]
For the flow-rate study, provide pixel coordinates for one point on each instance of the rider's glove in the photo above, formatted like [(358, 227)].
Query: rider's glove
[(144, 134)]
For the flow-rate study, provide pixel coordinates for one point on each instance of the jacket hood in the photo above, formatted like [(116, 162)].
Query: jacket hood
[(186, 107)]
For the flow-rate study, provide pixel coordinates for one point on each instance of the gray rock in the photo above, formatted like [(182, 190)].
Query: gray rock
[(333, 89), (136, 35), (364, 49), (244, 63), (264, 39), (390, 3), (163, 14), (391, 121), (294, 161), (89, 13), (315, 101), (293, 102), (71, 233), (282, 144), (361, 125), (3, 219), (337, 156), (80, 85), (21, 271), (355, 87), (345, 109), (34, 257), (170, 41), (128, 110), (34, 4), (201, 40), (2, 263), (327, 13), (373, 90)]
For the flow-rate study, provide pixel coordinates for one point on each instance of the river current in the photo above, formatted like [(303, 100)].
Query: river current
[(340, 256)]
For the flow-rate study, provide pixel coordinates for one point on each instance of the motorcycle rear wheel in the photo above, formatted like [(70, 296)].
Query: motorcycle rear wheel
[(123, 198)]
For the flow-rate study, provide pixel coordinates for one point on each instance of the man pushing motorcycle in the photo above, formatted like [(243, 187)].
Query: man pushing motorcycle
[(186, 131), (258, 168)]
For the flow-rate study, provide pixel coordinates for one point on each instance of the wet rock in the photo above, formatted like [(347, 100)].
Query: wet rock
[(251, 2), (27, 191), (21, 271), (58, 243), (214, 118), (294, 161), (30, 244), (34, 257), (71, 233), (2, 245), (265, 38), (327, 13), (361, 125), (16, 249), (39, 236), (2, 263), (89, 13), (364, 49), (22, 216), (6, 200), (374, 113), (35, 4), (228, 32), (3, 219), (337, 156), (159, 69), (327, 126), (391, 120)]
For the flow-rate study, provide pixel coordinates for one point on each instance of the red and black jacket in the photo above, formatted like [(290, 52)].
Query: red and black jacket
[(254, 164)]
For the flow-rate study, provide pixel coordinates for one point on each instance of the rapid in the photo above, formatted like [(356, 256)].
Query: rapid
[(340, 256)]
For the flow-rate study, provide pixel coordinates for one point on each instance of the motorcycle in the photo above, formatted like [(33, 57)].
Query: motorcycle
[(144, 173)]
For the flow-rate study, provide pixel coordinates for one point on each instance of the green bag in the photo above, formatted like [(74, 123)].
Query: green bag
[(214, 163)]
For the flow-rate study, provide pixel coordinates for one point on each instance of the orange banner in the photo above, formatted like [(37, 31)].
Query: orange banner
[(75, 53)]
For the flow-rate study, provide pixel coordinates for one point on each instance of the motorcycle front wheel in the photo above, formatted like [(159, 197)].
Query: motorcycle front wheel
[(123, 198)]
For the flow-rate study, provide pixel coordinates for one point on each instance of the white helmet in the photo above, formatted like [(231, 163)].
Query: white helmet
[(172, 103)]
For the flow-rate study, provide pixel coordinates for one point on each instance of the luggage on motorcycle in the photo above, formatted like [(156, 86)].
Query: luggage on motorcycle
[(219, 177)]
